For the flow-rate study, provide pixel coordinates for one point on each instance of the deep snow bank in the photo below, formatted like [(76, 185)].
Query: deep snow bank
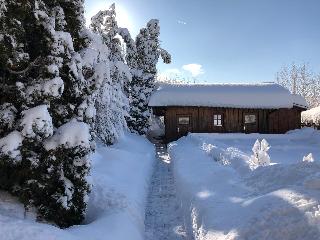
[(120, 178), (224, 198)]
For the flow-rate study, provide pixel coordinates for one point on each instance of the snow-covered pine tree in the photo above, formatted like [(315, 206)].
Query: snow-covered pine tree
[(142, 57), (64, 200), (16, 68), (74, 16), (45, 142), (112, 103)]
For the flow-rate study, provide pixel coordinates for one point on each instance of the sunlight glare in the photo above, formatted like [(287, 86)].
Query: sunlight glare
[(123, 17)]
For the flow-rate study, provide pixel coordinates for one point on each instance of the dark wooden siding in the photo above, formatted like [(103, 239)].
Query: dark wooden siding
[(267, 120), (171, 120), (206, 119), (283, 120)]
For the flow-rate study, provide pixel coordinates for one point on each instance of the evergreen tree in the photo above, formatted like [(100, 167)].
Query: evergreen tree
[(47, 99), (142, 57), (112, 103)]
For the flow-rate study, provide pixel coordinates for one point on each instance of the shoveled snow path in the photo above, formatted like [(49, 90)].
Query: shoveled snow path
[(163, 220)]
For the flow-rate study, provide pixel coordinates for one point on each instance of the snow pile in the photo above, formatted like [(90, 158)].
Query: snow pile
[(308, 158), (224, 198), (53, 87), (226, 95), (260, 155), (71, 134), (311, 116), (120, 178), (9, 145)]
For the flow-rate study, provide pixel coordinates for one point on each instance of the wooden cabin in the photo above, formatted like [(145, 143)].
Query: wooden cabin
[(226, 108)]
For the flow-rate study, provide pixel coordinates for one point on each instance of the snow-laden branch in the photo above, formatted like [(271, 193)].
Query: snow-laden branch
[(165, 55), (24, 71)]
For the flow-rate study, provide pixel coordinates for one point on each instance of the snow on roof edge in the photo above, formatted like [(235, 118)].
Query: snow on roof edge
[(299, 101)]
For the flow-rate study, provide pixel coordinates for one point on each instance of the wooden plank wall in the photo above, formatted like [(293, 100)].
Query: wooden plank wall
[(283, 120), (206, 120), (234, 119), (171, 120), (268, 121)]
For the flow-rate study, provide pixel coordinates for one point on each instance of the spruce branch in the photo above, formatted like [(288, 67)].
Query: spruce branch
[(33, 64)]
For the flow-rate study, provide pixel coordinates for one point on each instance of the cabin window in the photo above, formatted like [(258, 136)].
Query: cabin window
[(217, 120), (184, 120), (250, 119)]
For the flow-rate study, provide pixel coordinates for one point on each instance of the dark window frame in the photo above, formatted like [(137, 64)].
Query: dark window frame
[(250, 123), (184, 116)]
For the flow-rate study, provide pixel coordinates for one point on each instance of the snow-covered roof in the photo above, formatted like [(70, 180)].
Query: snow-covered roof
[(299, 101), (311, 116), (262, 95)]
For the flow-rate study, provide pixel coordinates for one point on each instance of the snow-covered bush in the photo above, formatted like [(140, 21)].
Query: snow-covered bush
[(46, 93), (260, 155), (311, 117)]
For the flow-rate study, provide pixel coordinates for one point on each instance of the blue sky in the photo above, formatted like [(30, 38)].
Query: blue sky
[(227, 40)]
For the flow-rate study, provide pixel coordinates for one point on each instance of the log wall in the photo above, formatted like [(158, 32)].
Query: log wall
[(201, 120)]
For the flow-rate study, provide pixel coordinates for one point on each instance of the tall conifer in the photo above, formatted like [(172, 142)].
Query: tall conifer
[(44, 105)]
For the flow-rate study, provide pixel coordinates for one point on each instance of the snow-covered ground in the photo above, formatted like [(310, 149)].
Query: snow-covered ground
[(225, 197), (120, 177)]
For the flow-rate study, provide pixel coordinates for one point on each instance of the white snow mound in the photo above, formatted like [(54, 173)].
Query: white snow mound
[(71, 134), (9, 145), (225, 198), (36, 121)]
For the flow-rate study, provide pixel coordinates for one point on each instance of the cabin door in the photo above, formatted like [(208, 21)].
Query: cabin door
[(250, 123), (184, 125)]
